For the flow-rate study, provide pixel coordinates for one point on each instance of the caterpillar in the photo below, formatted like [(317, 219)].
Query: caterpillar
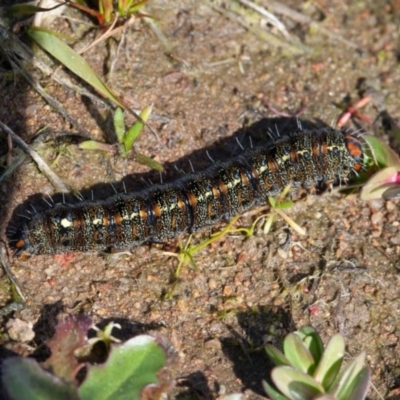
[(303, 158)]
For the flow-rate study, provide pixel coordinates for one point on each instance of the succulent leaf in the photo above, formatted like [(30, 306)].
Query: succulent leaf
[(272, 392), (276, 356), (354, 381), (298, 354), (331, 361), (294, 384), (359, 386), (312, 341)]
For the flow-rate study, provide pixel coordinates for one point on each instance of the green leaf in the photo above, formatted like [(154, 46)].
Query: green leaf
[(23, 9), (137, 6), (94, 145), (144, 160), (359, 386), (382, 153), (23, 379), (298, 354), (354, 380), (136, 128), (128, 7), (285, 204), (71, 60), (294, 384), (329, 366), (106, 9), (129, 368), (119, 124), (312, 341), (272, 202), (276, 356), (272, 392)]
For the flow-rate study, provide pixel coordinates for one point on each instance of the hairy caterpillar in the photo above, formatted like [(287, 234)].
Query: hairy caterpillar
[(303, 158)]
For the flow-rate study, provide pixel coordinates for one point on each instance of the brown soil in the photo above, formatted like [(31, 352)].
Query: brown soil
[(341, 277)]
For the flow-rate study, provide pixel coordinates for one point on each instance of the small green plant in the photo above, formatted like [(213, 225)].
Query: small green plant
[(186, 252), (55, 44), (307, 371), (101, 368), (108, 9), (126, 138), (386, 182), (138, 367), (125, 8)]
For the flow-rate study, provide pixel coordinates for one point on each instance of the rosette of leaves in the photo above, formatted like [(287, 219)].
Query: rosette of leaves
[(101, 368), (308, 371)]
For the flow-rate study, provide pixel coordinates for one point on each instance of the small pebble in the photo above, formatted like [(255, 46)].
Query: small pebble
[(376, 218), (19, 330), (212, 283)]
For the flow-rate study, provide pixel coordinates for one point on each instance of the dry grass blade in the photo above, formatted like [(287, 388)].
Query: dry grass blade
[(70, 59), (12, 167), (16, 52), (10, 275), (108, 33), (43, 167), (53, 102), (272, 19), (251, 18), (281, 9), (11, 47), (168, 48)]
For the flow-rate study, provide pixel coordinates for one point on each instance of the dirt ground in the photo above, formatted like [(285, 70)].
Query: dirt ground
[(208, 78)]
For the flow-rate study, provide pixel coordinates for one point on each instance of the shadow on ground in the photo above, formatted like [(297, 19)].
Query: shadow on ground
[(245, 349)]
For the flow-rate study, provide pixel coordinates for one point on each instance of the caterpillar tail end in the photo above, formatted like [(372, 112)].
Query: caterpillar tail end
[(20, 251), (20, 245)]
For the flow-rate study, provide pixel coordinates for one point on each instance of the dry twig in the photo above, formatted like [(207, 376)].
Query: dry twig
[(43, 167)]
